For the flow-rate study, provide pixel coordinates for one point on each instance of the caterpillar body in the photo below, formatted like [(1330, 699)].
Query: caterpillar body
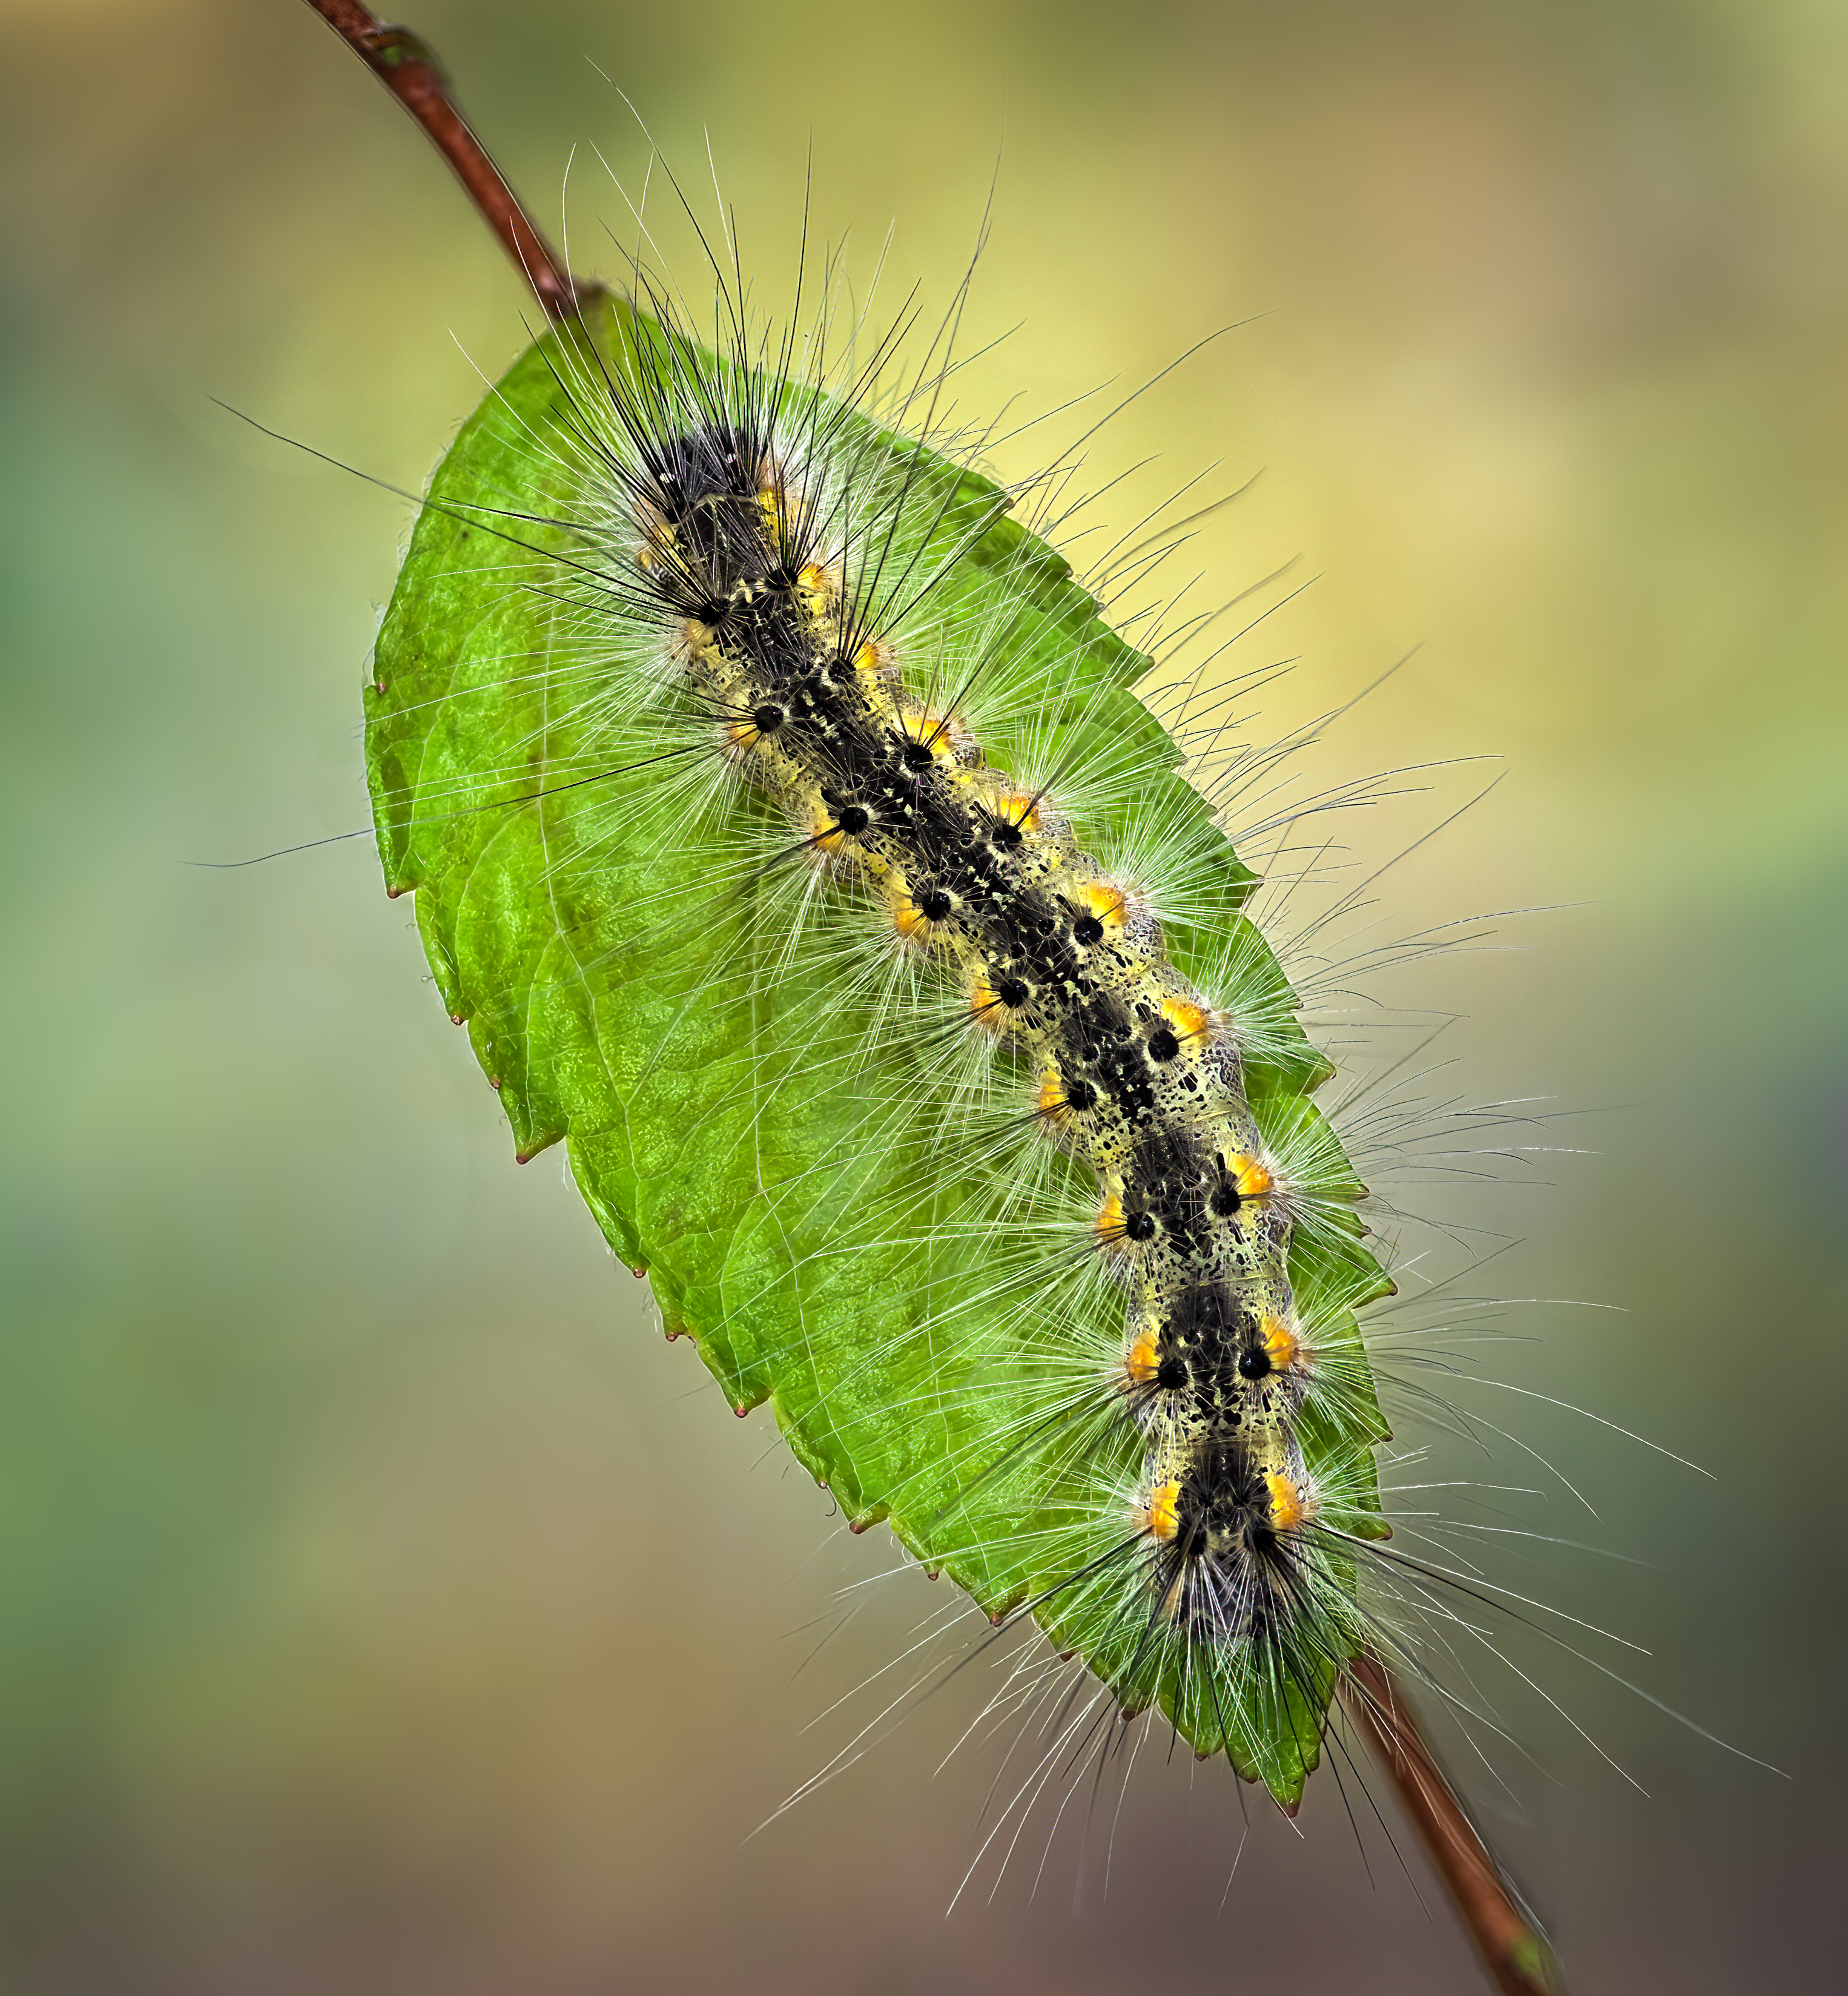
[(786, 830)]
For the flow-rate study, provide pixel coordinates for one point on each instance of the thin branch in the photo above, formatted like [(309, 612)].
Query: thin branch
[(404, 62), (1517, 1957)]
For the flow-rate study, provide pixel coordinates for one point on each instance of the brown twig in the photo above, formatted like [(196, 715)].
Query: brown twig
[(1517, 1958), (404, 62)]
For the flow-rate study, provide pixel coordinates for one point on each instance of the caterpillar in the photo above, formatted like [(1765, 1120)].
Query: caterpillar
[(790, 831)]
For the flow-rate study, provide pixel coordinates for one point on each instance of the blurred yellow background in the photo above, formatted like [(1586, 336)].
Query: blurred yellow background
[(382, 1606)]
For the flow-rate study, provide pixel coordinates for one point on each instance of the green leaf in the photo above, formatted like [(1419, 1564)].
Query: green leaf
[(734, 1118)]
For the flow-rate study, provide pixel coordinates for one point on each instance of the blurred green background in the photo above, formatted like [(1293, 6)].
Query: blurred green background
[(382, 1606)]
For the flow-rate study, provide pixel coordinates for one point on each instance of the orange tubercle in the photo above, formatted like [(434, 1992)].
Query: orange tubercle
[(1108, 902), (1144, 1361), (1051, 1099), (1109, 1222), (1163, 1514), (825, 836), (1280, 1343), (1289, 1502), (932, 731), (986, 1009), (1186, 1019), (1252, 1176), (818, 584), (1017, 808)]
